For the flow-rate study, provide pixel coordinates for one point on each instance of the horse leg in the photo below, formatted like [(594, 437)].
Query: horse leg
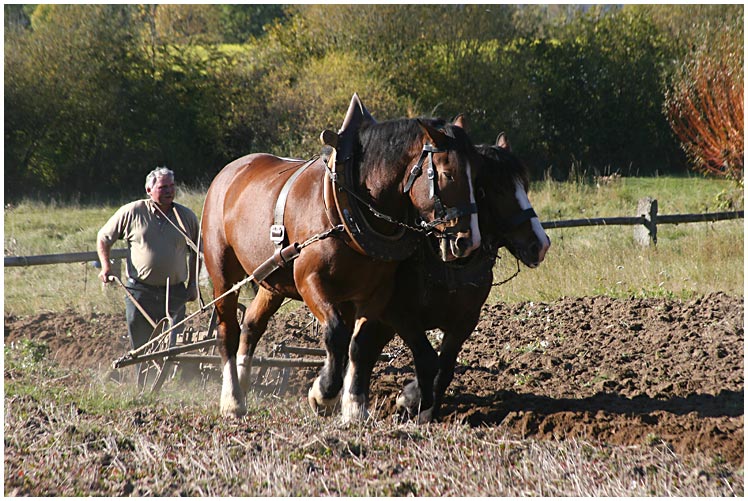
[(369, 339), (255, 322), (225, 270), (324, 394), (227, 339), (450, 348), (417, 398)]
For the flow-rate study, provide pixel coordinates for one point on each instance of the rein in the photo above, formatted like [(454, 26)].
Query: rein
[(372, 209)]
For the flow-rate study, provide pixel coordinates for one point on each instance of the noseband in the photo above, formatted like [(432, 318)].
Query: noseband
[(443, 214)]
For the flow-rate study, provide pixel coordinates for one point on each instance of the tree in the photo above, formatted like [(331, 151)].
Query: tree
[(597, 88), (65, 78), (705, 104)]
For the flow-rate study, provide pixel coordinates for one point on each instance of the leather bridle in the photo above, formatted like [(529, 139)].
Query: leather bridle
[(442, 214)]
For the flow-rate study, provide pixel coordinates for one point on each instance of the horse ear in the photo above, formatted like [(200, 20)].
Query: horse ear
[(460, 121), (439, 138), (329, 138), (355, 115), (503, 142)]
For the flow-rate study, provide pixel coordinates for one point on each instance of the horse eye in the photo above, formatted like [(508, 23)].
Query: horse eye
[(449, 176)]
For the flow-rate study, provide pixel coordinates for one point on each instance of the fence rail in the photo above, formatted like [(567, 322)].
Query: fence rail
[(647, 222), (72, 257), (636, 220)]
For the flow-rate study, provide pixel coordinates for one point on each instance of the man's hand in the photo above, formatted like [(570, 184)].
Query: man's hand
[(104, 276)]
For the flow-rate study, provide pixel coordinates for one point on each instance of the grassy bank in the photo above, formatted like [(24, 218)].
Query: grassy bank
[(688, 259)]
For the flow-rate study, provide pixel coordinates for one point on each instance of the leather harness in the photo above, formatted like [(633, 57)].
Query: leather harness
[(278, 229)]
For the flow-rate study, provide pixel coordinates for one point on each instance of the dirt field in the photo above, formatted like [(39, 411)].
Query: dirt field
[(624, 372)]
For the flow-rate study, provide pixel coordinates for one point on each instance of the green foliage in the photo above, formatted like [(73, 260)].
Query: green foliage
[(602, 71), (26, 355), (97, 95), (239, 23)]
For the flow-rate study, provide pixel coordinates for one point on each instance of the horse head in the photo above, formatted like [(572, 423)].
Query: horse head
[(409, 173), (445, 198), (505, 213)]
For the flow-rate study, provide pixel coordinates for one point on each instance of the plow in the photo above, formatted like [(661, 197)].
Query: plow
[(194, 350)]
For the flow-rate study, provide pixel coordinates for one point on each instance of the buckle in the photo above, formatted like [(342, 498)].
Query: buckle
[(277, 234)]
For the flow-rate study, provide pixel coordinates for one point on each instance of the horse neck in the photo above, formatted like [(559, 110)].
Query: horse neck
[(382, 188)]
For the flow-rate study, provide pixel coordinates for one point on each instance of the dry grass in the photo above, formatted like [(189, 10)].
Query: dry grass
[(69, 435)]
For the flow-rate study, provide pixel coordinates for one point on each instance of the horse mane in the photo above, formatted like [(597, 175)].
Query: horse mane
[(385, 143), (504, 168)]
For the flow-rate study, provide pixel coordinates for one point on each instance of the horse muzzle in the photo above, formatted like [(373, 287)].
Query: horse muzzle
[(533, 254)]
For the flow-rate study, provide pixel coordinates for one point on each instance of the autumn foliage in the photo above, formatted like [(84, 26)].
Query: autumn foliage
[(705, 110)]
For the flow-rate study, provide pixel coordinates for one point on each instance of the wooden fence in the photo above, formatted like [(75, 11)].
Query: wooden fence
[(646, 222)]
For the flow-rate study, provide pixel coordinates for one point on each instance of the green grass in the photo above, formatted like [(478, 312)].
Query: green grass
[(689, 259)]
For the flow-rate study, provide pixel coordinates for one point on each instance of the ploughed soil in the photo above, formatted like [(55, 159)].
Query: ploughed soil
[(627, 372)]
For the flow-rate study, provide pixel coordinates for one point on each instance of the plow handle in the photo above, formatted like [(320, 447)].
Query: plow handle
[(113, 278)]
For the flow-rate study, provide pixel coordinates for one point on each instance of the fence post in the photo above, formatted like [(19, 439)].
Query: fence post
[(647, 232)]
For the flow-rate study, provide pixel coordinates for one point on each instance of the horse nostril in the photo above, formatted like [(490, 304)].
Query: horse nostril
[(462, 243)]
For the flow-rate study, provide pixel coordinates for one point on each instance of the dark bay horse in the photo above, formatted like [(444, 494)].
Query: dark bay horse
[(355, 222), (430, 294)]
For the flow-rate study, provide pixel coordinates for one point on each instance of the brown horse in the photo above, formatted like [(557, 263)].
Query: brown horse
[(449, 296), (353, 221)]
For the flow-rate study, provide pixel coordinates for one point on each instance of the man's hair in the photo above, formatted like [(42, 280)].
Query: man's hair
[(156, 173)]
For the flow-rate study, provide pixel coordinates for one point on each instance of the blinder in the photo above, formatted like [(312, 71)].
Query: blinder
[(519, 218)]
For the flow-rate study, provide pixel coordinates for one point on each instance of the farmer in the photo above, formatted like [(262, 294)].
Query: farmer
[(158, 249)]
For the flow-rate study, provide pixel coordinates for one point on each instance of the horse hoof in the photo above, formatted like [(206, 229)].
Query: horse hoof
[(233, 409), (354, 409), (406, 406), (425, 417), (320, 405)]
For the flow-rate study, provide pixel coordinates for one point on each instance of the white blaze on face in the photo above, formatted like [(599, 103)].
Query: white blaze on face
[(524, 203), (474, 230)]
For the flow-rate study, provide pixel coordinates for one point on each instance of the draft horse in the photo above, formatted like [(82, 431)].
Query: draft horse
[(448, 296), (347, 224)]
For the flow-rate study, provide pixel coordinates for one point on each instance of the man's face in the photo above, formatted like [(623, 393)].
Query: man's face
[(163, 191)]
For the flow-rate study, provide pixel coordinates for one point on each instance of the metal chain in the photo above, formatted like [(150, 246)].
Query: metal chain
[(508, 279), (321, 236), (425, 228)]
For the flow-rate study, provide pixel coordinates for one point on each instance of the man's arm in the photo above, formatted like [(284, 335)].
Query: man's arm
[(103, 249)]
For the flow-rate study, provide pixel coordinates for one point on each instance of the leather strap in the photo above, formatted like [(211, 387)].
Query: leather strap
[(278, 230)]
